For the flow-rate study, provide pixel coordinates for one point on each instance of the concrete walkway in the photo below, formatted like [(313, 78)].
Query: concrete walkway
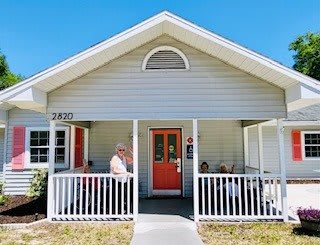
[(302, 195), (165, 221)]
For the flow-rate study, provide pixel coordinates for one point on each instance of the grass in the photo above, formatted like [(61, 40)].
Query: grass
[(69, 234), (256, 233)]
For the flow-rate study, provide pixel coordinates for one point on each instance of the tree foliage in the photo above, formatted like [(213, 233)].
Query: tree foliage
[(7, 78), (307, 57)]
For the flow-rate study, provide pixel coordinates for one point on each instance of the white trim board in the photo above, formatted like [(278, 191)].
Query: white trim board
[(29, 165), (273, 123)]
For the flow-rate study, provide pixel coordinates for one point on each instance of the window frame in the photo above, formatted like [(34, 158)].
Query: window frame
[(30, 165), (165, 48), (304, 157)]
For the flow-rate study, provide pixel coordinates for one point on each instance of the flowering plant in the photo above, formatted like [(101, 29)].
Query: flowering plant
[(310, 214)]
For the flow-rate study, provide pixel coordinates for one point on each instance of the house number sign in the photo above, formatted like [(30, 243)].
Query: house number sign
[(62, 116)]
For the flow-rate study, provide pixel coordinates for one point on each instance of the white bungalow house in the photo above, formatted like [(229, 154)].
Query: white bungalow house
[(177, 93)]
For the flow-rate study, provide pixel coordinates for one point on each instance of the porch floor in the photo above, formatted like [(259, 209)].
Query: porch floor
[(166, 210)]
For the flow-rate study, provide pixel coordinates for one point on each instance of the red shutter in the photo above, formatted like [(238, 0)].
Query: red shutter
[(296, 145), (18, 148), (79, 147)]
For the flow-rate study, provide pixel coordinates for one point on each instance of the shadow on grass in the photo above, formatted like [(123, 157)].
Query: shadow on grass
[(299, 231)]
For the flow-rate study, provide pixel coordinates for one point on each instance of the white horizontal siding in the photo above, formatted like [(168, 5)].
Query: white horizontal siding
[(220, 141), (17, 183), (295, 169), (211, 89)]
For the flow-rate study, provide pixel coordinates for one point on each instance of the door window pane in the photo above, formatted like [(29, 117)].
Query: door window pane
[(172, 148), (159, 151)]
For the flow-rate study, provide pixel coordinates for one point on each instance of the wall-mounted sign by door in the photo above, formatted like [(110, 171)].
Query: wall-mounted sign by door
[(189, 151), (189, 140)]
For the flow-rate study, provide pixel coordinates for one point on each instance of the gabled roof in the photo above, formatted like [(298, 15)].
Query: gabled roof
[(166, 23)]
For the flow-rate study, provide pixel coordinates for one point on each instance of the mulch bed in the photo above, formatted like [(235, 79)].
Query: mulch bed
[(22, 209), (303, 181)]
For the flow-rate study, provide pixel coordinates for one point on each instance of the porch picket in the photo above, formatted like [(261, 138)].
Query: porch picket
[(89, 196), (238, 196)]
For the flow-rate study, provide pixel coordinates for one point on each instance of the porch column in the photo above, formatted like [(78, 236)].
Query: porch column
[(195, 171), (135, 170), (50, 189), (246, 147), (72, 146), (283, 180), (86, 144), (260, 149)]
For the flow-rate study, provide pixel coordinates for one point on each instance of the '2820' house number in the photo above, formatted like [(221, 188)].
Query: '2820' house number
[(62, 116)]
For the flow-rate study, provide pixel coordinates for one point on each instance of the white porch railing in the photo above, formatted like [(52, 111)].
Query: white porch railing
[(78, 196), (239, 197)]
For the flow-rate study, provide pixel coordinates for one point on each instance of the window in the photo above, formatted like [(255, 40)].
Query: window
[(37, 147), (165, 58), (311, 145)]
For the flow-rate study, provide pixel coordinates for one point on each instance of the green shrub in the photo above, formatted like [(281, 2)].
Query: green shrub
[(3, 198), (38, 187), (1, 188)]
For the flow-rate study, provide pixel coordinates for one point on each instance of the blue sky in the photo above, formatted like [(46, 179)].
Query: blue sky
[(36, 34)]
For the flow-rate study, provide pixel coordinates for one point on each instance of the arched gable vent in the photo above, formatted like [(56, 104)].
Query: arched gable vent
[(165, 58)]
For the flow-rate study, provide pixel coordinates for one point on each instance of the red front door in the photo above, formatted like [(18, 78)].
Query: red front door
[(166, 154)]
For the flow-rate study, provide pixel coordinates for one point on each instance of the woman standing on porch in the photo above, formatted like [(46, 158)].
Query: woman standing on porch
[(118, 165)]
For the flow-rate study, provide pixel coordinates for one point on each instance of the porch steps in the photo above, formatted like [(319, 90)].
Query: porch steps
[(165, 229), (149, 226)]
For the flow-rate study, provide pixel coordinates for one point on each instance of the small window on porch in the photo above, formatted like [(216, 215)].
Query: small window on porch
[(37, 148), (311, 145), (165, 58)]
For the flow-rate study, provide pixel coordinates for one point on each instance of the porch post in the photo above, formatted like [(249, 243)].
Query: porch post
[(283, 180), (86, 144), (260, 148), (246, 147), (135, 171), (195, 171), (72, 146), (50, 189)]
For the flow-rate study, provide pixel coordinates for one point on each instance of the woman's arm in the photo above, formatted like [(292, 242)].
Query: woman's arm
[(129, 158)]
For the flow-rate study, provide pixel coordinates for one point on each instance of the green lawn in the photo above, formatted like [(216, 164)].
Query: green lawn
[(256, 233), (69, 234)]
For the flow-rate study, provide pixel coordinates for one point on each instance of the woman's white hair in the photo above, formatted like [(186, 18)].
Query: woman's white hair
[(121, 146)]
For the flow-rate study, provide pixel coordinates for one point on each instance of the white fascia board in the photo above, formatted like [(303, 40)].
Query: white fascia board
[(29, 99), (300, 96), (244, 51), (145, 25)]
